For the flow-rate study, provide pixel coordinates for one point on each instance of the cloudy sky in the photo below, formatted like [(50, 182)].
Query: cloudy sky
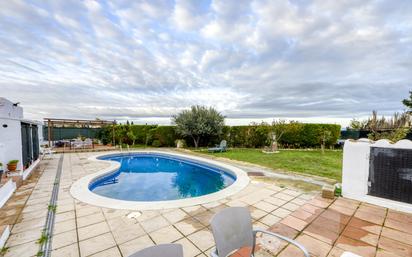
[(321, 60)]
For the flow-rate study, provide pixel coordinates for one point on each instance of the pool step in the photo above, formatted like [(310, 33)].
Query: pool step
[(4, 234)]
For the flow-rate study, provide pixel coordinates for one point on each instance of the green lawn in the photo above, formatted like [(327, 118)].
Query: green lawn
[(327, 165)]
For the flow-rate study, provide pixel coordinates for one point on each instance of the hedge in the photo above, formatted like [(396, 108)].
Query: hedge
[(295, 135)]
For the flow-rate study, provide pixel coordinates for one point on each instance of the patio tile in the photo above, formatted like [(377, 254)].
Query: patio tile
[(270, 244), (283, 196), (264, 206), (312, 209), (175, 216), (67, 251), (188, 226), (298, 201), (402, 226), (64, 208), (166, 235), (321, 203), (189, 249), (124, 229), (203, 239), (147, 215), (321, 233), (342, 209), (365, 225), (399, 216), (193, 210), (304, 215), (371, 217), (357, 247), (347, 203), (294, 223), (96, 244), (377, 210), (314, 246), (64, 239), (336, 216), (89, 219), (270, 220), (30, 224), (397, 235), (281, 213), (275, 201), (211, 205), (24, 237), (291, 206), (86, 210), (64, 226), (218, 208), (256, 213), (384, 253), (260, 225), (328, 224), (112, 252), (154, 224), (284, 230), (92, 230), (361, 235), (204, 217), (26, 249), (336, 252), (135, 245), (236, 203), (64, 216)]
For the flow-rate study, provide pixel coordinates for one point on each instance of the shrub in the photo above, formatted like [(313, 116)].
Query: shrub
[(156, 143)]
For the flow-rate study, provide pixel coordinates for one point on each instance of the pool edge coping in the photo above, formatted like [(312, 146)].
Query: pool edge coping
[(80, 188)]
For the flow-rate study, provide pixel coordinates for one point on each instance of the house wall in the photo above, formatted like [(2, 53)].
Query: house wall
[(355, 172)]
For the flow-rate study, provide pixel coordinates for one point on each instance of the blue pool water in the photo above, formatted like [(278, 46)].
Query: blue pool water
[(157, 177)]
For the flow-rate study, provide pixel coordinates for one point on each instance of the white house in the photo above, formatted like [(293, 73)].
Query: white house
[(19, 140)]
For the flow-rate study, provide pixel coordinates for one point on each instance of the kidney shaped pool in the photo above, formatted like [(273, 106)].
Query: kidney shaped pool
[(157, 177)]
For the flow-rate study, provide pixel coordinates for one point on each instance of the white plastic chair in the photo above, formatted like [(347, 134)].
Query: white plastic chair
[(162, 250), (232, 229)]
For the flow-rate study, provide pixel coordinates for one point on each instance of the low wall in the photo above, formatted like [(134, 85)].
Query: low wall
[(355, 171)]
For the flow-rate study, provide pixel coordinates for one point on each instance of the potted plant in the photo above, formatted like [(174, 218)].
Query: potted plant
[(12, 165)]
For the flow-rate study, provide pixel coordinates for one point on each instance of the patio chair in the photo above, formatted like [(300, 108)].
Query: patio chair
[(232, 229), (219, 148), (162, 250)]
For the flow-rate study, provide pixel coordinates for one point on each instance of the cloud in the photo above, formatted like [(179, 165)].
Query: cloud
[(252, 60)]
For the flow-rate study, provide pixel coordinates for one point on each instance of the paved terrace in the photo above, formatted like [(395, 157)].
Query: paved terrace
[(325, 227)]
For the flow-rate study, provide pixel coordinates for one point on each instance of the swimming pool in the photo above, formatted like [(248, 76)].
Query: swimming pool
[(159, 177), (133, 180)]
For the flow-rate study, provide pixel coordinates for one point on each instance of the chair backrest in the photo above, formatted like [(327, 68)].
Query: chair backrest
[(162, 250), (223, 144), (232, 229)]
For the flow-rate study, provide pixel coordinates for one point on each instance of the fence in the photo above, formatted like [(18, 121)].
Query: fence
[(60, 133)]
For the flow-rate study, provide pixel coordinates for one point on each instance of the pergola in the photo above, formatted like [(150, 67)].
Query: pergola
[(52, 123)]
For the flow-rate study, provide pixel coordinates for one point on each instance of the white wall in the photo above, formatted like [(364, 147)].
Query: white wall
[(355, 171), (10, 138)]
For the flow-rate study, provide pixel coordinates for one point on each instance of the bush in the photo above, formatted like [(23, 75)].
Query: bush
[(156, 143)]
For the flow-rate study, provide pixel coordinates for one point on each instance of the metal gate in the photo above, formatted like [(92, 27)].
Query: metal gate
[(390, 174)]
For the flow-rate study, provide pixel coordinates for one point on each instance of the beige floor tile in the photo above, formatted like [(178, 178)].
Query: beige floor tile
[(135, 245), (124, 229), (64, 216), (64, 226), (90, 219), (156, 223), (96, 244), (188, 226), (203, 239), (291, 206), (270, 220), (189, 249), (86, 210), (281, 213), (64, 239), (92, 230), (30, 224), (193, 210), (275, 201), (265, 206), (284, 196), (27, 249), (257, 213), (166, 235), (175, 216), (24, 237), (67, 251), (112, 252)]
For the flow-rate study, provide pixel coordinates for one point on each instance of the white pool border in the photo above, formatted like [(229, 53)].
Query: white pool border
[(80, 188)]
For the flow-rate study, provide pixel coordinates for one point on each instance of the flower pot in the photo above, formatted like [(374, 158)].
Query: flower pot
[(12, 167)]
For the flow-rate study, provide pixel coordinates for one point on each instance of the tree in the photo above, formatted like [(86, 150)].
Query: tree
[(131, 136), (408, 102), (276, 133), (199, 122)]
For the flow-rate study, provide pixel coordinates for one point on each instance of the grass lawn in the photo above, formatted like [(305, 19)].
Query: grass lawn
[(327, 165)]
